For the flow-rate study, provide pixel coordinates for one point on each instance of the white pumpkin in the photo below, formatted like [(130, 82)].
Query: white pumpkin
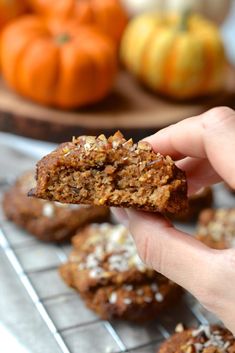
[(135, 7), (216, 10)]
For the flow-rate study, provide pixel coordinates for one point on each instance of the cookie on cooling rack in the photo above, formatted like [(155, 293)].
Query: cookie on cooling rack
[(112, 172), (197, 202), (205, 339), (216, 228), (106, 270), (48, 221)]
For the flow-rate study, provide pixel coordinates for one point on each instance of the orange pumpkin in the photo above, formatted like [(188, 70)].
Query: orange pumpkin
[(108, 15), (10, 9), (61, 65)]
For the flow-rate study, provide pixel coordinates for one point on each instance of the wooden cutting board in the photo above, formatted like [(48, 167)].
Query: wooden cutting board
[(130, 108)]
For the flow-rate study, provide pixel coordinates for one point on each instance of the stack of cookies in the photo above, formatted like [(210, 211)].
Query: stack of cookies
[(105, 269), (104, 266)]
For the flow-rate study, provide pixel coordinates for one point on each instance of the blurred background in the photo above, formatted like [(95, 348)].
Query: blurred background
[(75, 67), (72, 68)]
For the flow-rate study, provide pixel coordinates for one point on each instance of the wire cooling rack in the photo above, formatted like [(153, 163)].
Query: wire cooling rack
[(75, 328)]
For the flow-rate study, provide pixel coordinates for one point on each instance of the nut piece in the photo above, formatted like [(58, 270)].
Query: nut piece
[(90, 139), (145, 146), (128, 143), (102, 138)]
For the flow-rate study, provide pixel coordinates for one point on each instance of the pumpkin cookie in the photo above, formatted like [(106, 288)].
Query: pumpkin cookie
[(106, 270), (205, 339), (216, 228), (111, 172), (197, 202), (48, 221)]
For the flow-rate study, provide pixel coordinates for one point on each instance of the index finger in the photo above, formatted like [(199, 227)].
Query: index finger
[(210, 135)]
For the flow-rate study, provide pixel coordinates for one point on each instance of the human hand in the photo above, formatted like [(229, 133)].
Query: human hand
[(203, 146)]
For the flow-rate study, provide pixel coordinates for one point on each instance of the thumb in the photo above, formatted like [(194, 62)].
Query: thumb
[(175, 254)]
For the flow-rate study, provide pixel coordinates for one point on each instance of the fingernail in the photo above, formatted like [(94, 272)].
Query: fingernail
[(120, 215)]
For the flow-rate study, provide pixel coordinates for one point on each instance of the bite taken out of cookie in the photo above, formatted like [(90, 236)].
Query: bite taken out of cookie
[(111, 172)]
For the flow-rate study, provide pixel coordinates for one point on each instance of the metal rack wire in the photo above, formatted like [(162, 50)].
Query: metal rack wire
[(74, 328)]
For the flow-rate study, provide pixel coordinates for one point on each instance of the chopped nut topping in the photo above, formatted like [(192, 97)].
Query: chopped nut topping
[(145, 146), (128, 143), (103, 138), (65, 150), (219, 225), (205, 338), (90, 139), (112, 172)]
